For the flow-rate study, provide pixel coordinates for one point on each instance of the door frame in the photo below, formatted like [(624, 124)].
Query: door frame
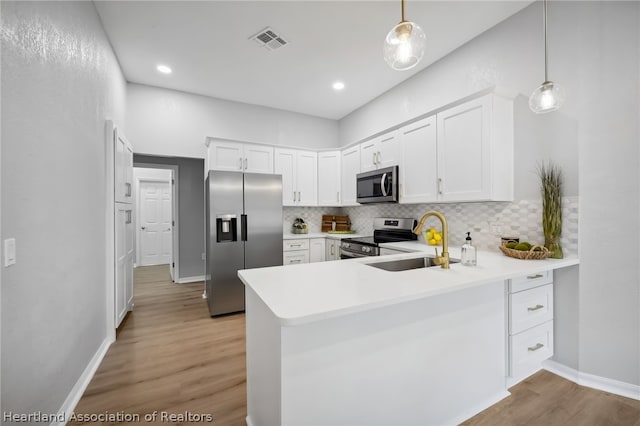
[(138, 235), (175, 198)]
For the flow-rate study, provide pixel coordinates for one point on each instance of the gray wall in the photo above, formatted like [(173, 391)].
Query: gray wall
[(609, 332), (190, 210), (60, 81)]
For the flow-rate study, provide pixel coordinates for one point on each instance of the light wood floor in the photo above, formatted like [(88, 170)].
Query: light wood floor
[(171, 356)]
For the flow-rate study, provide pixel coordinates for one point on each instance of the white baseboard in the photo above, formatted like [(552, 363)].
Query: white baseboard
[(609, 385), (479, 408), (187, 280), (617, 387), (74, 396), (248, 419)]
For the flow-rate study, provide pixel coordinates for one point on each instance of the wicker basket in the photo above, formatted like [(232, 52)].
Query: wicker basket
[(526, 255)]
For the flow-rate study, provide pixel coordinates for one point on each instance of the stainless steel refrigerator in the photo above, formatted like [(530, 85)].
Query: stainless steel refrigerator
[(244, 231)]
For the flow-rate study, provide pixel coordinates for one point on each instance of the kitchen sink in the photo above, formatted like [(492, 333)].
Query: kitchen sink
[(406, 264)]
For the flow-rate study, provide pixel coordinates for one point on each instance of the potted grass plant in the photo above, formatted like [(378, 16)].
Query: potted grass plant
[(551, 190)]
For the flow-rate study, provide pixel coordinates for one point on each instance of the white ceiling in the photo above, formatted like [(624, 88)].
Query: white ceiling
[(207, 45)]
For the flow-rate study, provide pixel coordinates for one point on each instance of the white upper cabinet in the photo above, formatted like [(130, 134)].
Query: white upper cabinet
[(350, 168), (240, 157), (299, 170), (379, 152), (475, 151), (329, 178), (418, 170), (258, 159), (307, 178), (464, 153), (123, 168)]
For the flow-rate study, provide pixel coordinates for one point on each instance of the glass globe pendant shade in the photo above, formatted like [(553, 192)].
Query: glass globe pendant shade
[(546, 98), (404, 46)]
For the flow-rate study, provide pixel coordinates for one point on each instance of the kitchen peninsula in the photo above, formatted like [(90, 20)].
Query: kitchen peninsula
[(346, 343)]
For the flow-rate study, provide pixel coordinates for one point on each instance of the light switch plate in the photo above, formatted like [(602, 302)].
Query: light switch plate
[(9, 252)]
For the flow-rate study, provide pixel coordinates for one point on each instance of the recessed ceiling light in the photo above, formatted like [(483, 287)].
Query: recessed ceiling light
[(164, 69), (338, 85)]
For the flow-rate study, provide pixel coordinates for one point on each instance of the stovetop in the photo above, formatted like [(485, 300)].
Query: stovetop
[(387, 230)]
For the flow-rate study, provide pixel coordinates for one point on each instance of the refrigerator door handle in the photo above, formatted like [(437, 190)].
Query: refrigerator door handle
[(243, 227)]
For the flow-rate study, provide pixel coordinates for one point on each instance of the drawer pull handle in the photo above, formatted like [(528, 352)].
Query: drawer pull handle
[(533, 277), (295, 245), (536, 347), (535, 308), (295, 261)]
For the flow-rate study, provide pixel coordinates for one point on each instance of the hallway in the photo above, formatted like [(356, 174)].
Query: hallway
[(171, 356)]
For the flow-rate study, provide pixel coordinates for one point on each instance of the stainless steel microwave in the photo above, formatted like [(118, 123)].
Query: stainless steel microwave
[(377, 186)]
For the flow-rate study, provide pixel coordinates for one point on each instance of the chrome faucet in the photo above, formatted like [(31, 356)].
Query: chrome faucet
[(443, 260)]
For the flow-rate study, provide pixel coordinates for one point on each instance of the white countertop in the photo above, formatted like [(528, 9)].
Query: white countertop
[(319, 235), (299, 294)]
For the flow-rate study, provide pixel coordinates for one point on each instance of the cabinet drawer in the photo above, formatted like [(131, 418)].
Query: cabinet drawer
[(301, 244), (529, 348), (530, 308), (525, 282), (295, 257)]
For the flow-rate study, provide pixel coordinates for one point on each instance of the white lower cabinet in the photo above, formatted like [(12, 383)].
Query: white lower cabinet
[(332, 249), (124, 254), (316, 250), (528, 350), (295, 257), (295, 251), (530, 324)]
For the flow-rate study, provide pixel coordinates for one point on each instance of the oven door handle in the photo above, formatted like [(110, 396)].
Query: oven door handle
[(383, 184)]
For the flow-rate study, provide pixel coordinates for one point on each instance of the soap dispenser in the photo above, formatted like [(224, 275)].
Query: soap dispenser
[(468, 253)]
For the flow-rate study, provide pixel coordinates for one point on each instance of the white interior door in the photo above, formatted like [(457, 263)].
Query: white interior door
[(155, 223)]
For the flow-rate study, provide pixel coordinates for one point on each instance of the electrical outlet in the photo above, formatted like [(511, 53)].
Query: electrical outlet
[(204, 256)]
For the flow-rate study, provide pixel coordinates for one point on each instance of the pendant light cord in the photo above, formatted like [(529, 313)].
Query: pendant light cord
[(403, 11), (544, 20)]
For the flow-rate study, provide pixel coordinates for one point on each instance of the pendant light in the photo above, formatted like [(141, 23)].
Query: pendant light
[(404, 45), (549, 96)]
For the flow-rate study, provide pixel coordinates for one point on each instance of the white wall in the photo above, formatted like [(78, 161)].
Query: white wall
[(594, 138), (168, 122), (60, 81)]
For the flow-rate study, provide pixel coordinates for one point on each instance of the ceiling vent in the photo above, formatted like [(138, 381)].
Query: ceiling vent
[(269, 39)]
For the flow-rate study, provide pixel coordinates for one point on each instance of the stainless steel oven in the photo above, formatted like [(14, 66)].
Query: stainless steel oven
[(385, 230), (378, 186)]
